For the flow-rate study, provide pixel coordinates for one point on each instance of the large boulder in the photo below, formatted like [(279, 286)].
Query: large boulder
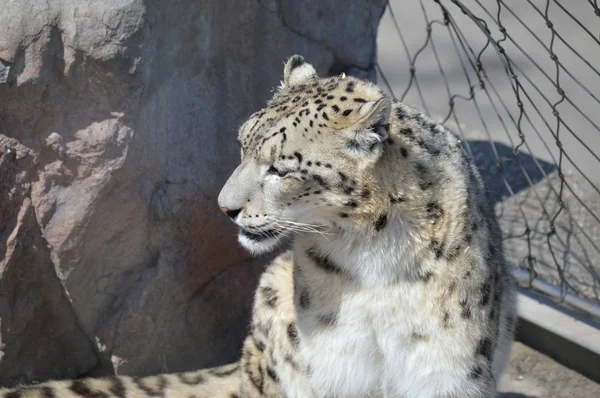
[(117, 129)]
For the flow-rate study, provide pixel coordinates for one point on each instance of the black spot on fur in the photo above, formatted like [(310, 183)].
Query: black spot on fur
[(446, 320), (117, 388), (510, 322), (323, 262), (347, 112), (291, 362), (407, 131), (426, 276), (434, 212), (351, 203), (256, 379), (292, 333), (350, 87), (468, 238), (403, 152), (304, 299), (81, 388), (343, 215), (397, 198), (325, 116), (260, 345), (422, 172), (381, 222), (154, 389), (343, 98), (298, 156), (421, 169), (272, 374), (360, 100), (365, 193), (335, 108), (319, 180), (437, 248), (476, 372), (328, 319), (452, 253), (353, 144), (190, 379), (485, 293), (46, 392), (419, 337), (270, 296), (432, 126), (400, 114), (484, 348), (465, 309)]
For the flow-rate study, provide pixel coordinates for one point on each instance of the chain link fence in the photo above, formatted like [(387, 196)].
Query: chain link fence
[(519, 83)]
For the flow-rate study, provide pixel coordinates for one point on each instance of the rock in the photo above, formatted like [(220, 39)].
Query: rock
[(125, 114), (354, 48), (37, 325)]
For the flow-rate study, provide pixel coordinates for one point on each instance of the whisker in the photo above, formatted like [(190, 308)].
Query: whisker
[(303, 227)]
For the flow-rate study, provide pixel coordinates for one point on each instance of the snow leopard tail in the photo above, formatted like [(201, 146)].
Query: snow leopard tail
[(220, 382)]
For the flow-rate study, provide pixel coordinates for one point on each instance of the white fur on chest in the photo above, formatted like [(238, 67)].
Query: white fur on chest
[(387, 340), (374, 260)]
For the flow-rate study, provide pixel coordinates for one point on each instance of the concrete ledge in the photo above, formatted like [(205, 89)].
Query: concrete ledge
[(559, 333)]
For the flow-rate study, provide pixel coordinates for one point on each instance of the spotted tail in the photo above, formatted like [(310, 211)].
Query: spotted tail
[(220, 382)]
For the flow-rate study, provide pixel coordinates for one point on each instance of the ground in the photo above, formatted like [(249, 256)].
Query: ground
[(534, 375)]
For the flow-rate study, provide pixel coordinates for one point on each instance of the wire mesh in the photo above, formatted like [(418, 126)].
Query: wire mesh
[(519, 83)]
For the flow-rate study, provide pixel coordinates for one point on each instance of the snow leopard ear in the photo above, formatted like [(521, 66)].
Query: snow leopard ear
[(374, 116), (369, 129), (297, 71)]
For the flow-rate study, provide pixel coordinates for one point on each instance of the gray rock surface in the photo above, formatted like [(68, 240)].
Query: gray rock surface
[(117, 129)]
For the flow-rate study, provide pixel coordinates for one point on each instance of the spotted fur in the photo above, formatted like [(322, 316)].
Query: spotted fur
[(398, 278), (396, 284), (221, 382)]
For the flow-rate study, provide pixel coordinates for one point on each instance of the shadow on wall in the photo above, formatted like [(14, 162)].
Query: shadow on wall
[(496, 163)]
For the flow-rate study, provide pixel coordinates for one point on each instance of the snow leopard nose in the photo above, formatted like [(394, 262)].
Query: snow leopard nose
[(239, 188), (231, 213)]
